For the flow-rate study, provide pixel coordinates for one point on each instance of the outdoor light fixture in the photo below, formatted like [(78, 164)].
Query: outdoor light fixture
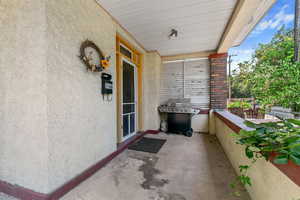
[(173, 34)]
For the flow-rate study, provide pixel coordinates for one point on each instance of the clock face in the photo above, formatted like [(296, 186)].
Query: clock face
[(92, 55)]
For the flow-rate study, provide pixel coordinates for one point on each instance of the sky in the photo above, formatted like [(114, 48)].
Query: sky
[(281, 13)]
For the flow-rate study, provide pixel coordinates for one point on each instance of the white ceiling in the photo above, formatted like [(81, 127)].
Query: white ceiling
[(200, 23)]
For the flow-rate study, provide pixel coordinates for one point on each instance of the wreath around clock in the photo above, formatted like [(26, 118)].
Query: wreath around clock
[(87, 60)]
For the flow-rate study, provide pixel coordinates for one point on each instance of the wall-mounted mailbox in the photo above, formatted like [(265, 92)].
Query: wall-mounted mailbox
[(107, 84)]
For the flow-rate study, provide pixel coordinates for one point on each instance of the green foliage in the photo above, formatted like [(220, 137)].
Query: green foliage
[(239, 104), (272, 76), (240, 84), (279, 86), (280, 48), (282, 137)]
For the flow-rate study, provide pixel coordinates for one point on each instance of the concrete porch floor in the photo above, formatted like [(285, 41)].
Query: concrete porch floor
[(185, 168)]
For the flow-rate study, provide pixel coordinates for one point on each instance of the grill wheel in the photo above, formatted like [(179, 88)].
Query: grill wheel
[(189, 133)]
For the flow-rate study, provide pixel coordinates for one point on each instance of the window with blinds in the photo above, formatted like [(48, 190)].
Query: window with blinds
[(186, 79)]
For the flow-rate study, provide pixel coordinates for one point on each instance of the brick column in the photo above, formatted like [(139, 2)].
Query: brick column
[(218, 81)]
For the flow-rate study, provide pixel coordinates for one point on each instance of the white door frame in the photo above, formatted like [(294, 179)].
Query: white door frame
[(135, 102)]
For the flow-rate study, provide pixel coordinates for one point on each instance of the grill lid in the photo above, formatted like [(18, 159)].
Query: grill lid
[(178, 106)]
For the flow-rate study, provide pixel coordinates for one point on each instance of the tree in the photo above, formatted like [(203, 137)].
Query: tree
[(274, 76), (280, 48), (240, 85), (271, 76)]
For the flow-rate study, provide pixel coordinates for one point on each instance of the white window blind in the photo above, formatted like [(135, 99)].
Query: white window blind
[(186, 79)]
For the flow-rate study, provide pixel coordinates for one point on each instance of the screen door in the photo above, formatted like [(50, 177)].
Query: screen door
[(129, 93)]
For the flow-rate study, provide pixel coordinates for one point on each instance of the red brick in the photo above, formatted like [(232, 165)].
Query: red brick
[(218, 81)]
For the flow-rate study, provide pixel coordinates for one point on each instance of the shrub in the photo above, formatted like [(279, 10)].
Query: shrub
[(239, 104)]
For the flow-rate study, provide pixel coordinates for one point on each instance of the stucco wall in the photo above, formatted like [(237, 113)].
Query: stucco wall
[(77, 122), (200, 123), (269, 183), (23, 84), (53, 121), (82, 128), (151, 83), (81, 124)]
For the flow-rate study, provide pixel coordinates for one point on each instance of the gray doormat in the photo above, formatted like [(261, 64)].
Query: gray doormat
[(150, 145)]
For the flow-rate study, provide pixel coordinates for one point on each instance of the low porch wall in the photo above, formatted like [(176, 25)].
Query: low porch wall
[(269, 183)]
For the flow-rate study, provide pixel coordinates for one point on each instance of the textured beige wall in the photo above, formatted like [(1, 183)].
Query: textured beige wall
[(211, 123), (23, 85), (151, 82), (53, 121), (81, 126), (200, 123), (79, 120), (269, 183)]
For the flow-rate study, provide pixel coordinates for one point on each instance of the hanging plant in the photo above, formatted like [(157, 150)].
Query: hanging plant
[(282, 138), (92, 57)]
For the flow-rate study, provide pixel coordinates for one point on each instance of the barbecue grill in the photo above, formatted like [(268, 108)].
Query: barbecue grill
[(179, 115)]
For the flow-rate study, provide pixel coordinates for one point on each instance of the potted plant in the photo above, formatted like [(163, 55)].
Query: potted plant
[(281, 138), (238, 107)]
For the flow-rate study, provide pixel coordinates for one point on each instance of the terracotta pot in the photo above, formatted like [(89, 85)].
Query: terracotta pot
[(291, 169)]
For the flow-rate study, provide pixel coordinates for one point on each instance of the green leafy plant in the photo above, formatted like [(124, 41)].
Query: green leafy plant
[(272, 76), (282, 138), (239, 104), (240, 84)]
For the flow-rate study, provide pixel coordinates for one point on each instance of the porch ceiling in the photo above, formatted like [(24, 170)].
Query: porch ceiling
[(200, 23)]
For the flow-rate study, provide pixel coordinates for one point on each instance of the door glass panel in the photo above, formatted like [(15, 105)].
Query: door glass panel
[(128, 108), (128, 83), (125, 125), (132, 123), (129, 111)]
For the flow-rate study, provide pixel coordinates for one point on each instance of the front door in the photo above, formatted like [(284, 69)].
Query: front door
[(129, 100)]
